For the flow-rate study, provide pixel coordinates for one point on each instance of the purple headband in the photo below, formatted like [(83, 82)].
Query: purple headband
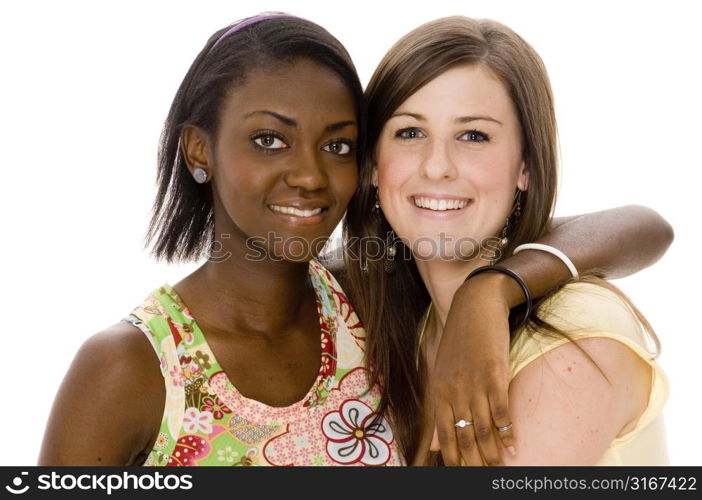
[(248, 22)]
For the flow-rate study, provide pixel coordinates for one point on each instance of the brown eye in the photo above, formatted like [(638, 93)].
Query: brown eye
[(269, 141), (341, 148)]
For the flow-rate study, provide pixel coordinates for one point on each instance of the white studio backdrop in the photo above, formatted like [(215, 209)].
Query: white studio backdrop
[(85, 88)]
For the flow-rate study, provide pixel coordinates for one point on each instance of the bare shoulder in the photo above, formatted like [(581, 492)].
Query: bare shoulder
[(627, 375), (120, 357), (121, 340), (575, 399), (593, 361), (609, 339), (110, 402)]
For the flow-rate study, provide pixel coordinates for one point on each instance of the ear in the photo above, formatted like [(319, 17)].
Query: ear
[(523, 181), (374, 176), (195, 144)]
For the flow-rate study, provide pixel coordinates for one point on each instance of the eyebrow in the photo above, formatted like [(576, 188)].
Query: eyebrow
[(416, 116), (285, 119), (460, 119), (467, 119), (333, 127), (291, 122)]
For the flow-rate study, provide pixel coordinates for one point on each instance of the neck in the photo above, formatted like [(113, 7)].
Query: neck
[(442, 278), (265, 297)]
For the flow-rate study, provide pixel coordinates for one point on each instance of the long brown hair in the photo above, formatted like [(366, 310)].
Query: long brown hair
[(392, 304)]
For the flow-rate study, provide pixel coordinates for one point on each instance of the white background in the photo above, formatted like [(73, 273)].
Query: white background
[(85, 88)]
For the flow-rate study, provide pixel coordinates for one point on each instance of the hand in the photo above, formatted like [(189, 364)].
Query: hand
[(470, 378)]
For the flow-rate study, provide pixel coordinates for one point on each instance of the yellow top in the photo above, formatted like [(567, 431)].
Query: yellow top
[(585, 310)]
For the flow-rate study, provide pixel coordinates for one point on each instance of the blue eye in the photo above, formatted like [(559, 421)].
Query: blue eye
[(269, 141), (474, 136), (338, 147), (409, 133)]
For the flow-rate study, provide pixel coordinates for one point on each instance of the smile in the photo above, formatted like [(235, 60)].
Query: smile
[(440, 204), (296, 211), (301, 213)]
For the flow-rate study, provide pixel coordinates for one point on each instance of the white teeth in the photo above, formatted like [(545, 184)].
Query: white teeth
[(439, 205), (296, 211)]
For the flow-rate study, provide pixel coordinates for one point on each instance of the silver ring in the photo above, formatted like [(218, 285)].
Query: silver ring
[(505, 428), (463, 423)]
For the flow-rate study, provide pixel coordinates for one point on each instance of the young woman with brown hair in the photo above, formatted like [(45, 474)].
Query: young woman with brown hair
[(462, 149)]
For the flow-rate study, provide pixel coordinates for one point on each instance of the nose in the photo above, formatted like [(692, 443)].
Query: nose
[(307, 172), (437, 162)]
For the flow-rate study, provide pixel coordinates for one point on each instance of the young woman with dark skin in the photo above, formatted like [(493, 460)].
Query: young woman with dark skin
[(281, 166), (282, 147)]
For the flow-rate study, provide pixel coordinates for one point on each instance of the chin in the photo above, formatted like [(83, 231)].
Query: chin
[(298, 249), (446, 247)]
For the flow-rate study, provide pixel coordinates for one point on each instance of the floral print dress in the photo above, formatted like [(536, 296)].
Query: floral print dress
[(206, 421)]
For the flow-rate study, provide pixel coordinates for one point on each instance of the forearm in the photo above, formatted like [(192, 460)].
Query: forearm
[(614, 243)]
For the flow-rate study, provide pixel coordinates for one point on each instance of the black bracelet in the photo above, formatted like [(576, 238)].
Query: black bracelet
[(515, 277)]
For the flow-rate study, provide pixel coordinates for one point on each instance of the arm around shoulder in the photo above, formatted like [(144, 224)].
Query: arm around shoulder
[(109, 406), (619, 241)]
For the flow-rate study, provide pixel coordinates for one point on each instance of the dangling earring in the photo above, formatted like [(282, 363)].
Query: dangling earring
[(514, 216), (518, 205), (364, 265), (200, 175), (389, 264), (376, 205)]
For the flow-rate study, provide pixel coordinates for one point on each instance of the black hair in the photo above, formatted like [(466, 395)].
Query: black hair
[(182, 221)]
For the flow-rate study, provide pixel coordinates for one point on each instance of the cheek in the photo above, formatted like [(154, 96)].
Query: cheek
[(491, 170), (395, 167), (495, 180), (345, 183), (241, 189), (242, 181)]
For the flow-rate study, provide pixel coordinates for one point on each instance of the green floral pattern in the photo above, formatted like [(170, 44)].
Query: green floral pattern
[(206, 421)]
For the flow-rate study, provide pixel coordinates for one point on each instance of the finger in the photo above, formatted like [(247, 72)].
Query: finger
[(485, 433), (422, 454), (447, 435), (502, 419), (435, 446), (426, 439), (465, 436)]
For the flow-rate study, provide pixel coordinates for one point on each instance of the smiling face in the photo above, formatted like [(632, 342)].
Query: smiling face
[(283, 166), (449, 161)]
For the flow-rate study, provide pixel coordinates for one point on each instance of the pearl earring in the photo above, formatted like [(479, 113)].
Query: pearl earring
[(200, 175)]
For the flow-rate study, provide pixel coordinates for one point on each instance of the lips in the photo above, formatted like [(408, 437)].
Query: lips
[(296, 211), (300, 212), (440, 203)]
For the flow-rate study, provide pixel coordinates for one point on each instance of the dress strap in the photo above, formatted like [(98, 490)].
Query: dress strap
[(153, 319)]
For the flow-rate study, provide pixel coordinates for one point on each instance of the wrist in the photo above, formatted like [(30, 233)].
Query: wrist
[(495, 286)]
